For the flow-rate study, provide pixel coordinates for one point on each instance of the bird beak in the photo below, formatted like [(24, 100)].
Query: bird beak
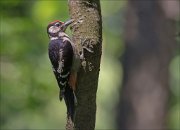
[(66, 24)]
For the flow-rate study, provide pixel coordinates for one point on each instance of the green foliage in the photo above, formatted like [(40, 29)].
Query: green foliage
[(29, 93)]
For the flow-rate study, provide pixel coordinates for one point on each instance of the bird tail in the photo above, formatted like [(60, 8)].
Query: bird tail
[(70, 100)]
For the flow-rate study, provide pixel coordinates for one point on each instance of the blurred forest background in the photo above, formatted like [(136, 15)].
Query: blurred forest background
[(29, 93)]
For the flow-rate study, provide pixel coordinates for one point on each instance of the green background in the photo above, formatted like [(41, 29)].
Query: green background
[(29, 92)]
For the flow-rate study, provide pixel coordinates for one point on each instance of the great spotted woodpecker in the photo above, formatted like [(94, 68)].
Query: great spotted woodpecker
[(65, 61)]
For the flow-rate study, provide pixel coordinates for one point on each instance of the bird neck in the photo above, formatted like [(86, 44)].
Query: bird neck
[(64, 36), (61, 35), (53, 38)]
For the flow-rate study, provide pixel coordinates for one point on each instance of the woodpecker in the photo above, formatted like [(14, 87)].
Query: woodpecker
[(64, 58)]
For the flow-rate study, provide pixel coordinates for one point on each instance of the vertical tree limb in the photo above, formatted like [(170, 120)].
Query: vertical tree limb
[(150, 41), (87, 33)]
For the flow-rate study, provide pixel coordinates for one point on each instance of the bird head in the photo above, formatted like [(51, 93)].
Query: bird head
[(57, 26)]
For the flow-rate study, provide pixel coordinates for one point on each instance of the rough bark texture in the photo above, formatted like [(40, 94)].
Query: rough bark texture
[(150, 41), (87, 32)]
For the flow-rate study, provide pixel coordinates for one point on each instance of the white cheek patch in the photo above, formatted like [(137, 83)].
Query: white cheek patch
[(53, 29)]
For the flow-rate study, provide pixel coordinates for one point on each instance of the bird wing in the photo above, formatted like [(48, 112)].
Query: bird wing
[(63, 69)]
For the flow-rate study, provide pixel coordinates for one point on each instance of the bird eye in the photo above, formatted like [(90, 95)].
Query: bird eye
[(57, 24)]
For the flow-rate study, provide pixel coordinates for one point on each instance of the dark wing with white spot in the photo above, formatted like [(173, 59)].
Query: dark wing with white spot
[(61, 56), (65, 63)]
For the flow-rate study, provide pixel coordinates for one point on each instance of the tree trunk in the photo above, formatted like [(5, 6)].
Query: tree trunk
[(87, 35), (150, 41)]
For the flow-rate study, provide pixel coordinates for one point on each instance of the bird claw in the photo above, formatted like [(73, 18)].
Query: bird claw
[(88, 49), (86, 45)]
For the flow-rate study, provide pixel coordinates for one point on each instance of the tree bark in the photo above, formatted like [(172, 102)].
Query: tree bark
[(87, 35), (150, 41)]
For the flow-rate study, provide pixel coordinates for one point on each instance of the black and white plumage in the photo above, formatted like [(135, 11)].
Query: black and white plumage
[(64, 60)]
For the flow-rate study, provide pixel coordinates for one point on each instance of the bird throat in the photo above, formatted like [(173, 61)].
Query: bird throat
[(61, 35)]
